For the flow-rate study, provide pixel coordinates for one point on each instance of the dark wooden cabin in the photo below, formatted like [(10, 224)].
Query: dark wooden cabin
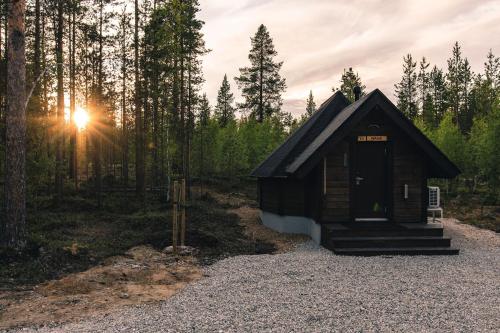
[(354, 178)]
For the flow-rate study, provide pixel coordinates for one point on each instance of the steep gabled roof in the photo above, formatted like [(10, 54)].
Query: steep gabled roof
[(306, 150), (275, 164)]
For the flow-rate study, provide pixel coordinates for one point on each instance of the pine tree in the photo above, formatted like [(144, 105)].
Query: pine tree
[(261, 83), (224, 110), (204, 117), (437, 90), (59, 51), (348, 81), (424, 96), (13, 225), (310, 105), (406, 89), (491, 83), (459, 84)]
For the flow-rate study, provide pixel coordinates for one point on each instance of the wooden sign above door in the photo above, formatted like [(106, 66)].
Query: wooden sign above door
[(372, 138)]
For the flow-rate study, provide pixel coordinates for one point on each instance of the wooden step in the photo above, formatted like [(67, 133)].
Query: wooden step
[(389, 242), (374, 251), (410, 229)]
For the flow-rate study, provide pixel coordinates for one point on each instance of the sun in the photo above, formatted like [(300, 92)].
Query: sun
[(81, 118)]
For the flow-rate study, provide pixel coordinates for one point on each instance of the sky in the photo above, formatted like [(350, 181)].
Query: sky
[(317, 39)]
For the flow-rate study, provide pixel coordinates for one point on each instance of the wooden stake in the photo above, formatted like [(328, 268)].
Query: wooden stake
[(183, 211), (175, 198)]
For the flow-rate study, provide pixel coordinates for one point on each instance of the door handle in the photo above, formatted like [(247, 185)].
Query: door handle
[(358, 180)]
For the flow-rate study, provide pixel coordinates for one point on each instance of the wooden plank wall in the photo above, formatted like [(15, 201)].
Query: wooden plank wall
[(336, 198), (282, 196), (408, 169)]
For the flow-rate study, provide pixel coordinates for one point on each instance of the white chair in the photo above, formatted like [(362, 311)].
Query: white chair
[(434, 202)]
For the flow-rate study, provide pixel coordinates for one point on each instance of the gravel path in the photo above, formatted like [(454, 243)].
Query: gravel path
[(313, 290)]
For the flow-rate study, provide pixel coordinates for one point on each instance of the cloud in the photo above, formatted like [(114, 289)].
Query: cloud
[(317, 39)]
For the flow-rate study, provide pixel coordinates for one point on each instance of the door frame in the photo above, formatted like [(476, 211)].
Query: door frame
[(388, 188)]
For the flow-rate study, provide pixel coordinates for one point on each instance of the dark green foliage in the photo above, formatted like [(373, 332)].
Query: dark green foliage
[(348, 81), (310, 105), (438, 97), (459, 85), (459, 111), (224, 110), (261, 82), (406, 89)]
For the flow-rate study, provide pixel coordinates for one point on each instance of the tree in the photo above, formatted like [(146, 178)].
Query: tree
[(310, 105), (261, 83), (224, 110), (348, 81), (487, 87), (437, 90), (485, 135), (451, 141), (124, 44), (459, 79), (15, 123), (406, 89), (204, 118), (140, 181), (59, 51)]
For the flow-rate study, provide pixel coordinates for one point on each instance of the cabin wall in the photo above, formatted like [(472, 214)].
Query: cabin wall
[(409, 169), (282, 196), (336, 185)]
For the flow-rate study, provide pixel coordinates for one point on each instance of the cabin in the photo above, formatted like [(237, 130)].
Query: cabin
[(354, 178)]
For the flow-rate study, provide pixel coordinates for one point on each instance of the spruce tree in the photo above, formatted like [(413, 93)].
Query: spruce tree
[(437, 89), (204, 110), (424, 96), (491, 82), (406, 89), (310, 105), (14, 223), (459, 83), (224, 110), (261, 82), (348, 81)]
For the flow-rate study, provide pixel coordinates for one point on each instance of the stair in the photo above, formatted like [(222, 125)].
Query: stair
[(376, 238)]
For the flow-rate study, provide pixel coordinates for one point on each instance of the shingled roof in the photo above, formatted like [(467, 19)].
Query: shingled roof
[(330, 124)]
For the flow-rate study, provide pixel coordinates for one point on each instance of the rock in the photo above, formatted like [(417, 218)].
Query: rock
[(182, 250)]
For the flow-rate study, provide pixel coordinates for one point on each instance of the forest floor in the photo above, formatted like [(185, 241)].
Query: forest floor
[(87, 262), (470, 210)]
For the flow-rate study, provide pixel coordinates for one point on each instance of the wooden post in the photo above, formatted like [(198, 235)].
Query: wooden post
[(175, 200), (183, 211)]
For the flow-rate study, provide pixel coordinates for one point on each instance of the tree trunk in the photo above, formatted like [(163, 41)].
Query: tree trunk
[(99, 118), (261, 84), (139, 143), (73, 130), (60, 101), (37, 57), (15, 121), (124, 103)]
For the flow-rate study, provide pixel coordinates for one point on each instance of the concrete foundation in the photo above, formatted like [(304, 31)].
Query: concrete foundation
[(292, 225)]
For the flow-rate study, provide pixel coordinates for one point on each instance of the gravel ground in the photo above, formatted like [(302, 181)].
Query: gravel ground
[(312, 290)]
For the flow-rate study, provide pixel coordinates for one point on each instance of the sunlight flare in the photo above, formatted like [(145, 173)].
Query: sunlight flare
[(81, 118)]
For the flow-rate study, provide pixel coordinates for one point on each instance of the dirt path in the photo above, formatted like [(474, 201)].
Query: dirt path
[(143, 275)]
